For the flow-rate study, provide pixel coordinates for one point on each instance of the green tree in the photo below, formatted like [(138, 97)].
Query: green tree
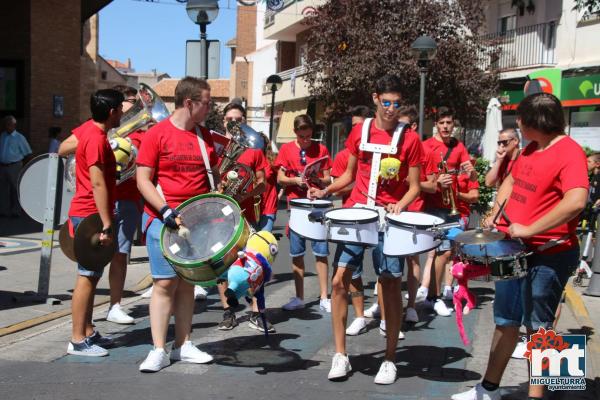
[(352, 43), (591, 6)]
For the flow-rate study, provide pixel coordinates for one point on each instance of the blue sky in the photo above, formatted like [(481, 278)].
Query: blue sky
[(153, 34)]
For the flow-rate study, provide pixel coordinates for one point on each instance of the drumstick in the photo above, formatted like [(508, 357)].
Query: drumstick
[(372, 198), (500, 211)]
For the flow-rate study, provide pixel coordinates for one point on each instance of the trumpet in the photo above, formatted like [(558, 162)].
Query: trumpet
[(448, 193)]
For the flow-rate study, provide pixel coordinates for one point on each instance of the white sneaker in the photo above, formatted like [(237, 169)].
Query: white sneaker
[(383, 332), (156, 360), (358, 326), (118, 316), (386, 374), (373, 311), (478, 393), (147, 294), (295, 303), (200, 293), (340, 366), (519, 350), (411, 315), (190, 353), (448, 293), (325, 305), (440, 308), (421, 295)]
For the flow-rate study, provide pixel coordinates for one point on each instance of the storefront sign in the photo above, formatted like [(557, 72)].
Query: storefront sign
[(581, 90)]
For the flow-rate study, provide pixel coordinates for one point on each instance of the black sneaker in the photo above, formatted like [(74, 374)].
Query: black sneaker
[(99, 340), (256, 322), (229, 322)]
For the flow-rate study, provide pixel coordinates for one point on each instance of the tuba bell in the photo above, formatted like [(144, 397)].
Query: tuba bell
[(235, 184)]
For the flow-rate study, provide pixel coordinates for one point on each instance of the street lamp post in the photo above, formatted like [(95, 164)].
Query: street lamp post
[(203, 12), (274, 83), (423, 49)]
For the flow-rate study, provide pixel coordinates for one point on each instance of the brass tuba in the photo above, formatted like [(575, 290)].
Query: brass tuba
[(235, 184)]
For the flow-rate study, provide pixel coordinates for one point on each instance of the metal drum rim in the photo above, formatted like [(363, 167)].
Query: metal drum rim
[(217, 256), (369, 220), (325, 204)]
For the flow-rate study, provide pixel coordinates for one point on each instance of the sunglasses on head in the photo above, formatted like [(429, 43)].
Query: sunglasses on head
[(387, 103), (303, 157), (504, 142)]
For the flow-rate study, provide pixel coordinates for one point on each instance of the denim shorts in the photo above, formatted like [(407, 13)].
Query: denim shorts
[(160, 267), (127, 218), (266, 223), (298, 246), (532, 300), (81, 270), (351, 257)]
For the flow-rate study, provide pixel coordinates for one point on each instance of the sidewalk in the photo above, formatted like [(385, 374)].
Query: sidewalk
[(19, 270)]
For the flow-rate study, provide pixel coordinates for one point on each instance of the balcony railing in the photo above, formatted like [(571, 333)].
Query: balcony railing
[(518, 48), (286, 75)]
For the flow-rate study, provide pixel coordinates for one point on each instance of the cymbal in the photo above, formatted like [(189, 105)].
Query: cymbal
[(479, 236), (88, 251), (67, 244)]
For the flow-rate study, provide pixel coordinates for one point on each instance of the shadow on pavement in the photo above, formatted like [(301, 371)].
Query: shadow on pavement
[(426, 362), (10, 300), (254, 352), (19, 226)]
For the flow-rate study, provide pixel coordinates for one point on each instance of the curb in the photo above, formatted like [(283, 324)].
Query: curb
[(576, 304), (98, 301)]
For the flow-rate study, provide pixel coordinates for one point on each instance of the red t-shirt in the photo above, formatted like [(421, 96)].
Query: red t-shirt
[(465, 185), (256, 160), (289, 159), (175, 156), (410, 153), (505, 169), (92, 149), (128, 190), (269, 196), (436, 151), (339, 166), (78, 132), (540, 181)]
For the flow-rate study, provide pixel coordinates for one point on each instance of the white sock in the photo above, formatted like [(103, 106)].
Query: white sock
[(424, 290), (382, 324)]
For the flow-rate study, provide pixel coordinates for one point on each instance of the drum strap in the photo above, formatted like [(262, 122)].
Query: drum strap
[(209, 171), (551, 243), (377, 150)]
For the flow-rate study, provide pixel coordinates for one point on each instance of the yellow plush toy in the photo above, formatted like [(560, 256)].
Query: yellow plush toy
[(122, 149), (264, 243), (389, 168)]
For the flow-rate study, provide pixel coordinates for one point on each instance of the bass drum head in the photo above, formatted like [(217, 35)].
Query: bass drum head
[(352, 215), (215, 225), (412, 218), (33, 185)]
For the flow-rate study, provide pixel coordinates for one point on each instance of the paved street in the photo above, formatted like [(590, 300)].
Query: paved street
[(432, 361)]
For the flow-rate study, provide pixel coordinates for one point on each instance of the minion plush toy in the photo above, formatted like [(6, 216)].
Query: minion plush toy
[(123, 151), (248, 274)]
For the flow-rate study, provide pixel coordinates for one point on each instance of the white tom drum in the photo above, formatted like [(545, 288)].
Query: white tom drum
[(406, 234), (307, 218), (358, 226)]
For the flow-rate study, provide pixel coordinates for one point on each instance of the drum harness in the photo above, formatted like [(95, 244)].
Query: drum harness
[(378, 150)]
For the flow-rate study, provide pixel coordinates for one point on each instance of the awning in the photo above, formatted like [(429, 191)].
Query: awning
[(291, 109)]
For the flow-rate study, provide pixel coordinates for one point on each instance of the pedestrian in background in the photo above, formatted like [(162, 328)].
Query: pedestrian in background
[(13, 151)]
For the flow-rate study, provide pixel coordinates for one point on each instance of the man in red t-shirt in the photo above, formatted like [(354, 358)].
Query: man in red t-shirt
[(171, 159), (127, 212), (546, 191), (442, 146), (507, 153), (256, 161), (290, 162), (393, 194), (95, 184)]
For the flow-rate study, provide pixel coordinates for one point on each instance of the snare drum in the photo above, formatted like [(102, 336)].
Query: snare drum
[(217, 232), (307, 218), (358, 226), (406, 234), (506, 258)]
